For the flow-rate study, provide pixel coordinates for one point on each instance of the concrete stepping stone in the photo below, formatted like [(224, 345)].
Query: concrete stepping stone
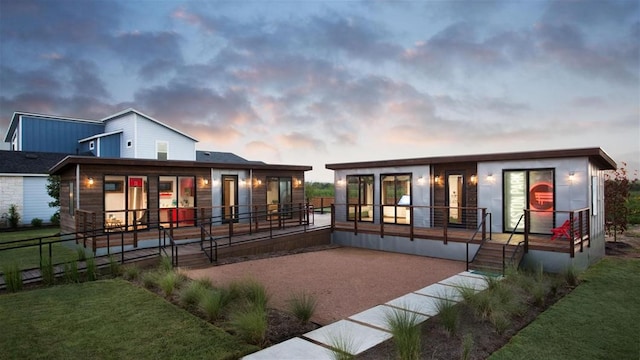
[(292, 349), (441, 291), (377, 316), (478, 284), (356, 337), (425, 305)]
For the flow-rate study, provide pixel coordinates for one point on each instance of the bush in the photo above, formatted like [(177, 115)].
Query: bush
[(47, 271), (71, 274), (92, 270), (302, 305), (36, 222), (192, 294), (250, 324), (251, 291), (14, 216), (213, 302), (405, 327), (12, 277), (114, 266), (448, 314), (55, 219), (344, 345), (82, 255), (131, 272)]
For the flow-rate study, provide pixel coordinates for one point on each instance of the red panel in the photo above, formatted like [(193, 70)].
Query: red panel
[(135, 182)]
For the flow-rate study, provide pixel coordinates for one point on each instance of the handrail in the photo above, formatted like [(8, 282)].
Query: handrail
[(212, 241), (504, 247), (484, 237)]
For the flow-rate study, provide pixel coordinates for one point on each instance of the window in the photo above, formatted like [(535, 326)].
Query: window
[(279, 195), (396, 198), (230, 198), (360, 197), (129, 143), (125, 202), (532, 190), (92, 145), (162, 150), (176, 195), (14, 141)]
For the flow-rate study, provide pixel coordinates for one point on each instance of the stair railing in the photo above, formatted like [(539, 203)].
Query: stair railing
[(213, 245), (482, 226), (504, 247)]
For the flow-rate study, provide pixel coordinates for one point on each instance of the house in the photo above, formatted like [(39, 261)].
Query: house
[(129, 170), (451, 206), (23, 183)]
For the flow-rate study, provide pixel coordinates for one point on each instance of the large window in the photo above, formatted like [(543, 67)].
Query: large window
[(396, 198), (279, 195), (125, 202), (533, 190), (360, 197), (177, 200)]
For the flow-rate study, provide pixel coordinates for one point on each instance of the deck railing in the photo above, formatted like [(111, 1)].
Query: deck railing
[(385, 217), (579, 228)]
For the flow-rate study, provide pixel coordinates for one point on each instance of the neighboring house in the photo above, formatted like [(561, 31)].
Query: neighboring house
[(525, 193), (23, 181)]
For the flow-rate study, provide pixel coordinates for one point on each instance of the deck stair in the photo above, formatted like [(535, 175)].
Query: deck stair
[(489, 257)]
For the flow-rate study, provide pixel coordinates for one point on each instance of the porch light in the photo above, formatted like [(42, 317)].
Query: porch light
[(474, 179), (421, 180), (205, 181), (90, 181), (436, 180), (258, 182), (341, 181), (490, 177), (572, 176)]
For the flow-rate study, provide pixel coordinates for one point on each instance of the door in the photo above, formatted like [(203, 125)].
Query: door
[(229, 198), (455, 197)]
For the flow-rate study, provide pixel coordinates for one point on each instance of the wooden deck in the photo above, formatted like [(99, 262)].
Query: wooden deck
[(536, 241)]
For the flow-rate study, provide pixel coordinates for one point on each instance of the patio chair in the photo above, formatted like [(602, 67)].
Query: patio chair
[(562, 231)]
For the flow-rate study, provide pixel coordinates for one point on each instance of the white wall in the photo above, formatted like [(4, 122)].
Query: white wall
[(36, 200), (127, 125)]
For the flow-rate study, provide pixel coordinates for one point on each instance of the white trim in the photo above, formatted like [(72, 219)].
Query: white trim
[(98, 136), (77, 189), (23, 175), (138, 113)]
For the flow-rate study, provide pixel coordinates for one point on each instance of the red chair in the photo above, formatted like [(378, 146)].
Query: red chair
[(562, 231)]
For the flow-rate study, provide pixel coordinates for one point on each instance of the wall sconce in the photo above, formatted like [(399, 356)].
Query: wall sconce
[(572, 176), (340, 181), (436, 179), (421, 180), (205, 181), (243, 182), (474, 179), (258, 182), (490, 177), (90, 181), (299, 182)]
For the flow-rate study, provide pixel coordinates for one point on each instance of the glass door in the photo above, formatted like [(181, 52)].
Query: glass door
[(229, 198), (455, 197)]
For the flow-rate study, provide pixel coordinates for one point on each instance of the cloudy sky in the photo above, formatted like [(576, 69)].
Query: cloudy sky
[(316, 82)]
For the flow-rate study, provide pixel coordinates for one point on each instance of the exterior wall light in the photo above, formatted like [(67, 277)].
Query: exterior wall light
[(490, 177), (421, 180), (474, 179), (436, 180), (90, 181), (572, 176), (205, 181)]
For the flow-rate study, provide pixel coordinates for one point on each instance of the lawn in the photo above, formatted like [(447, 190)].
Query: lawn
[(107, 319), (29, 257), (600, 319)]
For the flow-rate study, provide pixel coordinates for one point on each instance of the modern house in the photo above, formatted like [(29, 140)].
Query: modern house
[(129, 169), (451, 207)]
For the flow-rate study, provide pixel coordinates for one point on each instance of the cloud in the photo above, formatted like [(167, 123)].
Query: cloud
[(263, 151), (301, 141)]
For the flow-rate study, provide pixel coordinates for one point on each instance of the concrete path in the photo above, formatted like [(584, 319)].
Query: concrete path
[(368, 328)]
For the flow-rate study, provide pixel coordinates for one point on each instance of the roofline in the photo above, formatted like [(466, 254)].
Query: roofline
[(19, 113), (132, 110), (597, 155), (90, 160), (100, 135)]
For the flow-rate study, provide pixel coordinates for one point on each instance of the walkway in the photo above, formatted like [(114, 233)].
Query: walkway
[(368, 328)]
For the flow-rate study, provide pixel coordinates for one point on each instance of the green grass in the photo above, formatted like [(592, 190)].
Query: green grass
[(302, 305), (600, 319), (107, 319), (29, 257)]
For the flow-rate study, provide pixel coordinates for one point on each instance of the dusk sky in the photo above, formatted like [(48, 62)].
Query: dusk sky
[(317, 82)]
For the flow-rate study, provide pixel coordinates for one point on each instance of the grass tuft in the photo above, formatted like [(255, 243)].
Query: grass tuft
[(467, 347), (114, 266), (302, 305), (169, 282), (448, 313), (192, 294), (406, 330), (71, 274), (213, 302), (80, 251), (47, 271), (92, 270), (343, 346), (250, 324), (131, 272), (12, 277)]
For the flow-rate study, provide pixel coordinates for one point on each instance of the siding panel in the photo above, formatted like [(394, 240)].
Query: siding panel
[(36, 200)]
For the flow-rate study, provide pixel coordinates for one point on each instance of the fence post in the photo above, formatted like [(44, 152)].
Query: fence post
[(333, 217)]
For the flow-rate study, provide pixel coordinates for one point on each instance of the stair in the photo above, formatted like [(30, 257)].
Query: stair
[(192, 257), (489, 257)]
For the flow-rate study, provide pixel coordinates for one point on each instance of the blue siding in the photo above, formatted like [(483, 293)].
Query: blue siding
[(110, 146), (52, 135)]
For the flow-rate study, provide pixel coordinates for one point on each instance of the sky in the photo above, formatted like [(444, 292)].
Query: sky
[(318, 82)]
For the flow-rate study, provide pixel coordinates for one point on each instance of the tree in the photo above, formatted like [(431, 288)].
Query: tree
[(53, 189), (616, 201)]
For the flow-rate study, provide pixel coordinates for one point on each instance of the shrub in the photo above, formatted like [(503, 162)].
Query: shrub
[(12, 277), (213, 302), (192, 294), (71, 274), (47, 271), (166, 263), (302, 305), (570, 275), (114, 266), (343, 346), (131, 272), (250, 324), (251, 291), (36, 222), (92, 270), (448, 312), (500, 321), (404, 326), (467, 346), (14, 216), (55, 219), (150, 279), (169, 282), (82, 255)]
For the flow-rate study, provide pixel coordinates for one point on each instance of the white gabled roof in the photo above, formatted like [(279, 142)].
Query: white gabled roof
[(134, 111), (100, 135)]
